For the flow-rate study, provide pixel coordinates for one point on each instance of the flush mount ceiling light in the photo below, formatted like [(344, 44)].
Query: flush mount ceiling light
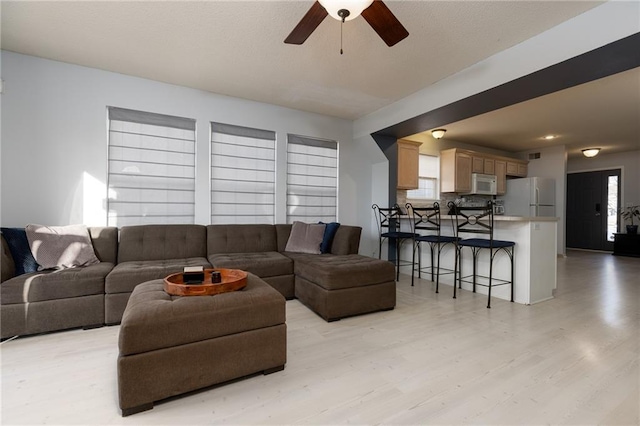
[(438, 133), (590, 152), (549, 137)]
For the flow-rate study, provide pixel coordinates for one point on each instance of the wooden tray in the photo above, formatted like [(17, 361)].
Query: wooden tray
[(232, 280)]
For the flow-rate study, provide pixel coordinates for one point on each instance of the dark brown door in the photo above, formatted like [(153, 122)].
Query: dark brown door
[(593, 199)]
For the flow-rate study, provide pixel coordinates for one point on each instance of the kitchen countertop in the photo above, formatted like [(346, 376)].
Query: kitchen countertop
[(505, 218)]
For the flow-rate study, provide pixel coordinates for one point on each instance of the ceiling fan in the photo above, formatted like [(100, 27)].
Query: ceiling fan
[(376, 13)]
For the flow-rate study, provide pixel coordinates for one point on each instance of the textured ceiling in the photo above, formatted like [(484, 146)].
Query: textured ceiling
[(236, 47)]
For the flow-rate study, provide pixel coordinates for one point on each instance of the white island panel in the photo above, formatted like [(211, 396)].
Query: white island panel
[(535, 259)]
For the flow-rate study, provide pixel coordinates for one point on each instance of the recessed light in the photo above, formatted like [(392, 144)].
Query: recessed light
[(549, 137)]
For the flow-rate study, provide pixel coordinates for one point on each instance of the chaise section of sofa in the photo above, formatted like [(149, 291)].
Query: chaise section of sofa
[(51, 300), (252, 248), (148, 252)]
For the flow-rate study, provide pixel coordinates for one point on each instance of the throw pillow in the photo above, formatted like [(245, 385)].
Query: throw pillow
[(329, 234), (305, 238), (16, 239), (61, 247)]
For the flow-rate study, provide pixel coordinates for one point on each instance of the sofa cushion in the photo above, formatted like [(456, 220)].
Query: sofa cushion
[(18, 244), (333, 272), (305, 238), (266, 264), (161, 242), (240, 238), (61, 246), (105, 242), (126, 275), (55, 284)]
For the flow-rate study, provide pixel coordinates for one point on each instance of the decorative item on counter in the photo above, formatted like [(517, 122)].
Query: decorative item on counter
[(216, 278), (193, 274)]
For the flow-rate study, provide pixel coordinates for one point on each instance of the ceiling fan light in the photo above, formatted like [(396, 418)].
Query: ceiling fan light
[(438, 133), (355, 7), (590, 152)]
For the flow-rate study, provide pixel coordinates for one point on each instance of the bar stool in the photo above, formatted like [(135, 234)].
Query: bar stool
[(479, 221), (389, 219), (428, 219)]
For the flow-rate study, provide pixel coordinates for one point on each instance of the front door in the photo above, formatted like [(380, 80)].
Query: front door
[(593, 200)]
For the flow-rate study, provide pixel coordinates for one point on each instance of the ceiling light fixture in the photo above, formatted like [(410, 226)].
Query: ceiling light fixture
[(438, 133), (549, 137), (345, 10), (590, 152)]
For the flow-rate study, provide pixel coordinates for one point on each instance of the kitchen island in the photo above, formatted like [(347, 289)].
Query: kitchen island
[(535, 259)]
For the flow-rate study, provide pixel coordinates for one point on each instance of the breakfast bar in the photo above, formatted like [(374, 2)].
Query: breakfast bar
[(535, 259)]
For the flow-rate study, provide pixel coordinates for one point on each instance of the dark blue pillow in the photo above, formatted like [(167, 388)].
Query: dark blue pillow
[(16, 239), (327, 239)]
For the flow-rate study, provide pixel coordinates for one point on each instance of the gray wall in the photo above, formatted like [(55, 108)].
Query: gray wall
[(54, 139)]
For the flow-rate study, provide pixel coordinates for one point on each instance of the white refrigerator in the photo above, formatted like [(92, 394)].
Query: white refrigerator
[(533, 196)]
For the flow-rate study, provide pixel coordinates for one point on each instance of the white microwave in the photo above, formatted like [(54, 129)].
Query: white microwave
[(482, 184)]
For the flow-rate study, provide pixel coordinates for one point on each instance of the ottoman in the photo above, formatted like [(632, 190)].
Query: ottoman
[(339, 286), (170, 345)]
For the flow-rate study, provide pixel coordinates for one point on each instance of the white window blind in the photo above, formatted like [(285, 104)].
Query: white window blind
[(312, 179), (151, 168), (427, 179), (242, 175)]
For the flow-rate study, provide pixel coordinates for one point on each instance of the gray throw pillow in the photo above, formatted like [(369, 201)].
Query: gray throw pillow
[(305, 238), (60, 247)]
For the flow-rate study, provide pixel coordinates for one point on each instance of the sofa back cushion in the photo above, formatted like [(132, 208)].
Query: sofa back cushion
[(241, 239), (160, 242), (346, 240), (105, 242)]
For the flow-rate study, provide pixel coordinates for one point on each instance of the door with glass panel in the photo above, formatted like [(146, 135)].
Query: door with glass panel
[(593, 200)]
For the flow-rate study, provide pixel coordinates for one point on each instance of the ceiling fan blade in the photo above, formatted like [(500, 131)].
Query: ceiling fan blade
[(384, 22), (307, 24)]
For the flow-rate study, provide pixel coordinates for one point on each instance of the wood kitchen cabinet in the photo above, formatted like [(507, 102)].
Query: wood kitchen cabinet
[(483, 165), (455, 170), (457, 165), (408, 164), (501, 176)]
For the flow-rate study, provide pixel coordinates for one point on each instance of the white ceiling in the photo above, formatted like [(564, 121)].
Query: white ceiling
[(236, 47), (604, 113)]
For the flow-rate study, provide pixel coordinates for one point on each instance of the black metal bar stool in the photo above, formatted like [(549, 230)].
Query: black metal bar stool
[(428, 219), (479, 221), (389, 219)]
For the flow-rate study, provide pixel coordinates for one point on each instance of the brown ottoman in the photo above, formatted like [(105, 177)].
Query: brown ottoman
[(170, 345), (338, 286)]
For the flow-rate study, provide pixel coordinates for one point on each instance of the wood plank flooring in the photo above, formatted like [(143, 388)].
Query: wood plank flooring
[(432, 360)]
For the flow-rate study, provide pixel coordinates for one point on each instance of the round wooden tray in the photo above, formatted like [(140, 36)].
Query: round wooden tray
[(232, 280)]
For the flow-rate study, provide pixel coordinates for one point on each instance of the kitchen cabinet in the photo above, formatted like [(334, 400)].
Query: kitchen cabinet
[(456, 166), (408, 164), (517, 169), (501, 176), (483, 165), (455, 170)]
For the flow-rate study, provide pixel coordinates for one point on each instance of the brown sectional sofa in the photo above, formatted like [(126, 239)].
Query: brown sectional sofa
[(96, 295)]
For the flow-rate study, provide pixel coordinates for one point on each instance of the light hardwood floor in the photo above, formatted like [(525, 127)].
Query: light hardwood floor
[(432, 360)]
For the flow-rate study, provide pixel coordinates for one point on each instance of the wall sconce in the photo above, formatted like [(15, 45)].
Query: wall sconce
[(590, 152), (438, 133)]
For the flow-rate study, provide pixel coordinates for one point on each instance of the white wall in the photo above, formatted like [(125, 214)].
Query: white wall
[(595, 28), (54, 139), (553, 164), (629, 162)]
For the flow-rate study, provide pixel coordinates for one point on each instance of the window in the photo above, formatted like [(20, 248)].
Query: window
[(312, 179), (151, 177), (427, 179), (242, 174)]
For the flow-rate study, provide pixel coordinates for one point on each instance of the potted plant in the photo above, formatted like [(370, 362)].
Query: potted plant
[(629, 213)]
